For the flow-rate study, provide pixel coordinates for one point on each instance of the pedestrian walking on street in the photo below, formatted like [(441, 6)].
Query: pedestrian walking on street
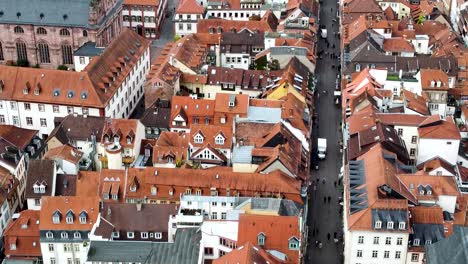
[(329, 198), (334, 183), (323, 181), (334, 235), (324, 199), (328, 236)]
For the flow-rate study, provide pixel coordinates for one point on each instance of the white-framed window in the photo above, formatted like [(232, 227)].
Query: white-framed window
[(158, 235), (414, 257), (397, 254), (144, 235), (214, 215), (56, 109), (154, 190), (76, 247), (378, 224), (401, 225), (64, 235), (2, 119), (416, 242), (77, 235), (130, 235), (15, 120), (43, 122), (198, 139), (29, 121), (223, 215), (69, 219), (428, 242), (13, 105), (375, 254), (52, 261), (399, 241), (376, 240), (27, 106), (115, 234), (67, 247), (359, 253), (51, 247), (361, 240), (219, 140), (261, 239), (293, 243), (49, 235), (388, 241), (390, 225)]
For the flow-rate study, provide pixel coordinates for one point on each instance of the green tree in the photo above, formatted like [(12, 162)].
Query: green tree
[(22, 63), (274, 65), (421, 19), (62, 68), (176, 38)]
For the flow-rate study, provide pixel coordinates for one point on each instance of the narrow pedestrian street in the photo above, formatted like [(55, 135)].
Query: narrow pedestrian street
[(325, 218)]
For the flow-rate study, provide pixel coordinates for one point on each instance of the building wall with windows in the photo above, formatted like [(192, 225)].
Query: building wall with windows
[(372, 247), (233, 14), (5, 216), (410, 136), (146, 20), (186, 24), (51, 39), (218, 238)]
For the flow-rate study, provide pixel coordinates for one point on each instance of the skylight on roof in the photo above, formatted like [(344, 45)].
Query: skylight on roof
[(56, 92), (70, 94), (84, 95)]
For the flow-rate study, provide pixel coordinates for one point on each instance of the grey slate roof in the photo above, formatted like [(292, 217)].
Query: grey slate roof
[(184, 250), (76, 11), (453, 249), (242, 154), (385, 216), (262, 115), (291, 51), (427, 232), (88, 49)]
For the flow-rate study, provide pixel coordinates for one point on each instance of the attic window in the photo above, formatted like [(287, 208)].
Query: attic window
[(56, 92), (390, 225), (77, 235), (219, 140), (261, 239), (401, 225), (83, 217), (70, 217), (38, 89), (293, 243), (378, 224), (56, 217), (106, 139), (198, 139), (416, 242), (154, 190), (428, 242), (129, 140), (84, 95), (133, 188), (70, 94)]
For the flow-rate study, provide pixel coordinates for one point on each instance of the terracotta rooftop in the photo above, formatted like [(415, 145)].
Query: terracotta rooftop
[(247, 253), (24, 233), (434, 79), (441, 129), (189, 7), (435, 163), (125, 129), (415, 102), (142, 2), (241, 103), (397, 45), (427, 215), (440, 185), (62, 205), (209, 134), (250, 226), (64, 152), (87, 184), (18, 137)]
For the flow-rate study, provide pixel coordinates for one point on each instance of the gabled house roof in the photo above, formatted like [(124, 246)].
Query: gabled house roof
[(189, 7), (64, 152), (440, 129), (40, 172), (23, 232)]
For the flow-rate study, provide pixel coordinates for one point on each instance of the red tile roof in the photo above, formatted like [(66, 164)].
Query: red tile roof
[(247, 253), (180, 179), (397, 45), (189, 108), (24, 233), (17, 136), (189, 7), (171, 145), (64, 152), (415, 102), (442, 129), (142, 2), (63, 204), (250, 226), (122, 128), (430, 78), (209, 134), (240, 107), (441, 185)]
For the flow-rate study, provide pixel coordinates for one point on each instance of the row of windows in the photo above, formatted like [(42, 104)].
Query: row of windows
[(230, 14), (376, 240), (144, 235), (375, 254), (42, 31), (69, 261), (147, 19), (43, 52), (63, 235), (29, 121), (181, 26), (41, 108)]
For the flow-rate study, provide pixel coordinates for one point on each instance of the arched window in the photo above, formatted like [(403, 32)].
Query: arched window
[(21, 51), (41, 31), (1, 52), (43, 49), (67, 54), (64, 32), (18, 30), (85, 33)]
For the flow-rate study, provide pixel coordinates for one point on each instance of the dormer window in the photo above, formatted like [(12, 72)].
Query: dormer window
[(358, 67), (219, 140), (416, 242), (70, 217), (49, 235), (390, 225), (56, 217), (378, 224), (428, 242), (36, 188), (261, 239), (133, 188), (154, 190), (106, 138), (83, 217), (171, 191), (432, 83), (198, 139), (64, 235), (293, 243), (129, 140), (401, 225), (77, 235), (116, 139), (41, 187), (439, 83), (13, 246)]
